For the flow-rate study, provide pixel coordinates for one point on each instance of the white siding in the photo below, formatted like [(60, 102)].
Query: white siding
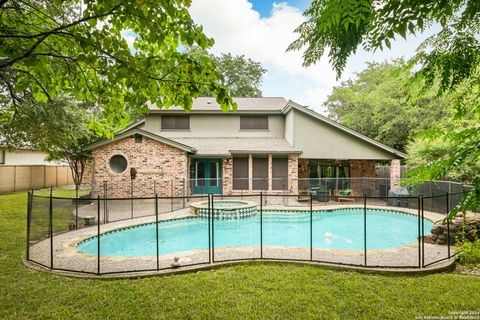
[(22, 157)]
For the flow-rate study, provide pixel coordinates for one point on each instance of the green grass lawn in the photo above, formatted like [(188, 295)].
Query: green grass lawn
[(252, 291)]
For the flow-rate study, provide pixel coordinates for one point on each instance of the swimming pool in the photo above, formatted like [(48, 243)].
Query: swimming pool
[(331, 229)]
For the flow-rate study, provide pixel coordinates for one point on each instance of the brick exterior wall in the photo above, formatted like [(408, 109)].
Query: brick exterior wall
[(88, 173), (363, 169), (303, 174), (302, 169), (161, 169)]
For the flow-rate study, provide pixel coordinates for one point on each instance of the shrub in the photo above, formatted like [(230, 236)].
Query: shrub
[(470, 254)]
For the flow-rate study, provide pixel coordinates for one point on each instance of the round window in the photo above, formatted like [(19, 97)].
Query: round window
[(118, 163)]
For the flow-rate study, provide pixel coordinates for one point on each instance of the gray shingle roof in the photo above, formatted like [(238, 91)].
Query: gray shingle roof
[(228, 146), (244, 104)]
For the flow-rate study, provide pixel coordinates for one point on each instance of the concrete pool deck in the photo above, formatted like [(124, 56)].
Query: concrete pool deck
[(67, 257)]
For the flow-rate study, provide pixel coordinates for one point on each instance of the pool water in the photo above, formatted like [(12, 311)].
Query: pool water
[(336, 229)]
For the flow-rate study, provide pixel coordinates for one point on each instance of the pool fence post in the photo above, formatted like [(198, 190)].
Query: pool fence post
[(29, 217), (311, 226), (365, 227), (50, 226), (448, 222), (76, 207), (419, 234), (98, 234), (213, 227), (209, 239), (156, 230), (423, 231), (261, 225), (266, 194)]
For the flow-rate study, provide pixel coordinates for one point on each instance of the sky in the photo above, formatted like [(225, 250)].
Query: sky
[(263, 29)]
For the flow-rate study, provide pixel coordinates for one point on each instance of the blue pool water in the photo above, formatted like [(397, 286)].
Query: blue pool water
[(337, 229)]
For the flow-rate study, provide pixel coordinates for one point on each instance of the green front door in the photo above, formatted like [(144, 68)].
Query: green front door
[(207, 176)]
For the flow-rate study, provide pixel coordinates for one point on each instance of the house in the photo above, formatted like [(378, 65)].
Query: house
[(23, 169), (23, 157), (268, 144)]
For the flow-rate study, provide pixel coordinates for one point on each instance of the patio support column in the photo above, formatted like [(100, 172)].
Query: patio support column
[(250, 172), (270, 173), (395, 172), (293, 173)]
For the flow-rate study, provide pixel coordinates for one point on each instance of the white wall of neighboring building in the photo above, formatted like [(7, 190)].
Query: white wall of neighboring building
[(24, 157)]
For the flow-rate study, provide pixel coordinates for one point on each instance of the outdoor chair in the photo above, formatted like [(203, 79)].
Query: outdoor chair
[(345, 195)]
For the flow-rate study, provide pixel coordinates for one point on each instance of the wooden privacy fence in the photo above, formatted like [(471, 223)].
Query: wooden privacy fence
[(25, 177)]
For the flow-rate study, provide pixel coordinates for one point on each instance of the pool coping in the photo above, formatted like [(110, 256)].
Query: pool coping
[(70, 239)]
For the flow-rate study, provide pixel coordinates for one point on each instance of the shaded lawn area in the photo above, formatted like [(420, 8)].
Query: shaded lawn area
[(248, 291), (63, 210)]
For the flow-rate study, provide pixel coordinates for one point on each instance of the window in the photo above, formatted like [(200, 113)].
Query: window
[(200, 171), (118, 163), (331, 175), (279, 174), (260, 174), (254, 123), (175, 123), (240, 173), (2, 156)]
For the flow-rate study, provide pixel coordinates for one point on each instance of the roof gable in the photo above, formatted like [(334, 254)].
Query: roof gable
[(315, 115), (125, 134)]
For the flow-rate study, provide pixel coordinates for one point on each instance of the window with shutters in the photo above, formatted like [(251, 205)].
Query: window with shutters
[(279, 174), (260, 174), (240, 173), (254, 123), (175, 123)]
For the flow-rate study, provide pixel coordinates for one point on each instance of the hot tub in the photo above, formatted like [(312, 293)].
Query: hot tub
[(225, 209)]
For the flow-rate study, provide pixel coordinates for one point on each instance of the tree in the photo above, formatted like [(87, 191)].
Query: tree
[(72, 152), (450, 58), (423, 150), (58, 127), (374, 105), (241, 75), (49, 48)]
